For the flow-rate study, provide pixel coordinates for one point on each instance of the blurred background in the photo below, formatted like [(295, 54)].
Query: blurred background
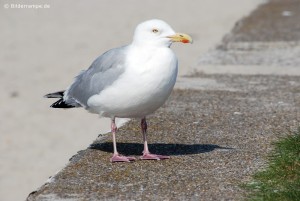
[(43, 49)]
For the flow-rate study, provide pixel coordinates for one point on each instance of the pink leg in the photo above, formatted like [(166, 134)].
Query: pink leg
[(116, 156), (146, 154)]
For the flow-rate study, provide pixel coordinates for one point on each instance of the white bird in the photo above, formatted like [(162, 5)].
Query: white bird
[(128, 82)]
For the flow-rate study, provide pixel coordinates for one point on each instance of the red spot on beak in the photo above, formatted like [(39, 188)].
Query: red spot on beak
[(185, 41)]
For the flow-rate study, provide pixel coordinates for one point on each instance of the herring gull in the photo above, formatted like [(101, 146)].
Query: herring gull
[(131, 81)]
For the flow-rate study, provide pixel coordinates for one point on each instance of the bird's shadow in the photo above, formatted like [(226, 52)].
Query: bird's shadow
[(157, 148)]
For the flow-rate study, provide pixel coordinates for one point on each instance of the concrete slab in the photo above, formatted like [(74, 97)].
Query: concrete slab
[(216, 139), (269, 37)]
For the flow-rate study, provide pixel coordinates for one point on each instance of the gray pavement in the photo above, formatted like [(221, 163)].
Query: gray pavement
[(216, 139), (270, 36), (217, 128)]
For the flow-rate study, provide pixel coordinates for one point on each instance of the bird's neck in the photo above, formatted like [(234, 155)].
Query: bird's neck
[(146, 52), (150, 45)]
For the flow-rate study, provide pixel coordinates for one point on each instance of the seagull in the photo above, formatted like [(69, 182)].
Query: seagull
[(131, 81)]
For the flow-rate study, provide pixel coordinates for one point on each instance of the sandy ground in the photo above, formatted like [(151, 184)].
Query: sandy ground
[(44, 48)]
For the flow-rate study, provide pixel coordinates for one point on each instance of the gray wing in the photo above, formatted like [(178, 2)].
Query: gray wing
[(102, 73)]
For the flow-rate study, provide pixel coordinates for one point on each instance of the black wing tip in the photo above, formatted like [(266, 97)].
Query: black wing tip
[(58, 94), (61, 104)]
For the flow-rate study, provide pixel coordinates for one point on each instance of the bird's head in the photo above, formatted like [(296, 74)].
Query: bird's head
[(159, 33)]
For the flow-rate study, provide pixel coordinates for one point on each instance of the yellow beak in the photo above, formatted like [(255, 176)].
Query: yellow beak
[(181, 37)]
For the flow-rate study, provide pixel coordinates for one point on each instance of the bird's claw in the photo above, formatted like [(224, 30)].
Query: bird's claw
[(149, 156), (119, 158)]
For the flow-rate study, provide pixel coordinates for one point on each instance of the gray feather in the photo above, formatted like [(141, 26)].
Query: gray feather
[(102, 73)]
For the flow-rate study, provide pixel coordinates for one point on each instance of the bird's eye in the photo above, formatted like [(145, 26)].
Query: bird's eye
[(154, 30)]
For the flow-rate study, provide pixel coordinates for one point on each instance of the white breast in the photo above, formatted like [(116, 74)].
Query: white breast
[(146, 84)]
